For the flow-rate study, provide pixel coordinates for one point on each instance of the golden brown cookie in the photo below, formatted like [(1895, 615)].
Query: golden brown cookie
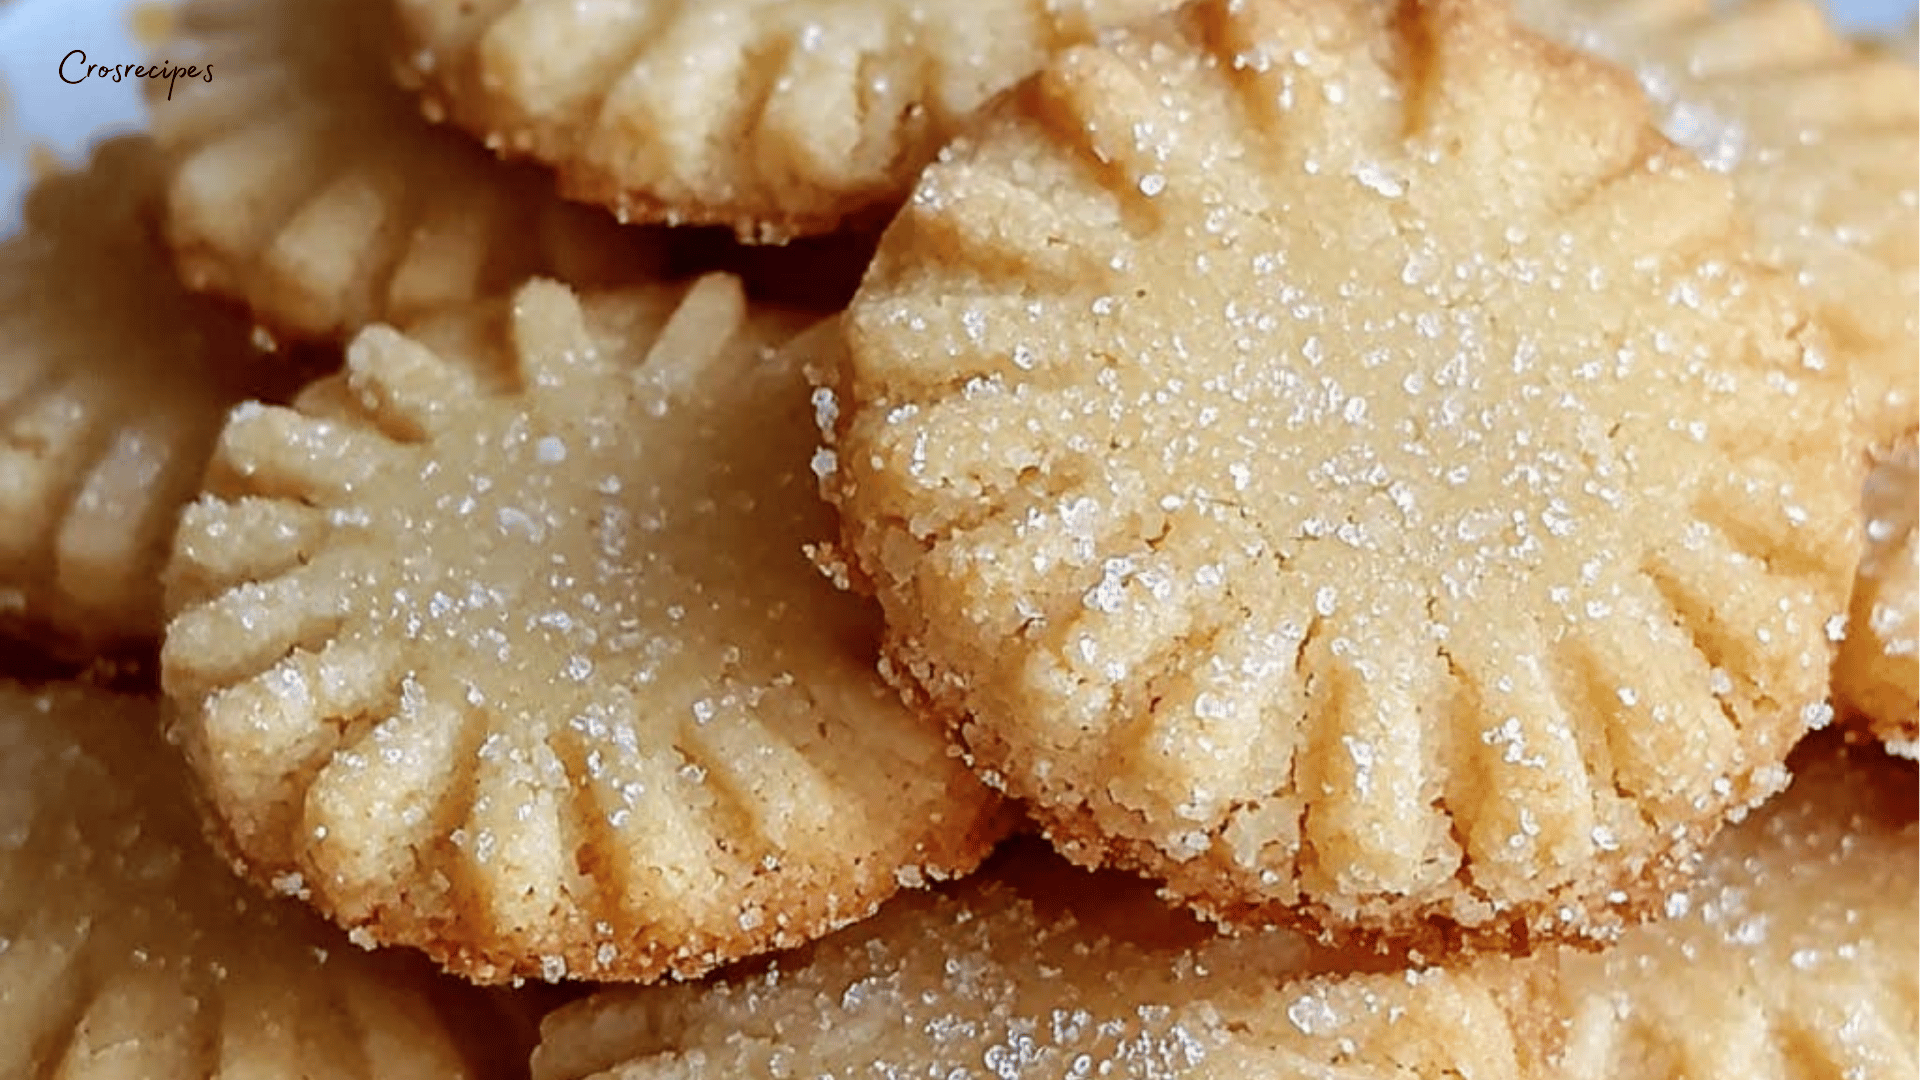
[(127, 950), (1792, 957), (774, 119), (304, 184), (1036, 970), (1877, 676), (1340, 460), (502, 644), (113, 382), (1821, 138)]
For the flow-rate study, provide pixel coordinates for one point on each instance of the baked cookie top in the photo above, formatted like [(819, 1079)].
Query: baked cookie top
[(1341, 460), (1821, 138), (113, 383), (1877, 675), (502, 644), (777, 119), (1033, 970), (1792, 956), (304, 184), (131, 951)]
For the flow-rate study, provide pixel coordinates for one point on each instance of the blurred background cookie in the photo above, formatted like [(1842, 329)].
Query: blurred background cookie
[(1342, 461), (304, 184), (776, 120), (113, 384), (1792, 956), (502, 644), (130, 951), (1821, 138)]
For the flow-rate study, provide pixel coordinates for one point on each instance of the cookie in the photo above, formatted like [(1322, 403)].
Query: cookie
[(130, 951), (113, 384), (1047, 974), (502, 644), (304, 184), (1792, 957), (1877, 675), (775, 120), (1821, 138), (1340, 460)]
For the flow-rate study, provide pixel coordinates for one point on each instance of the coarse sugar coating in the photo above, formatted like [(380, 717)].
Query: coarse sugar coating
[(1340, 460), (1877, 676), (502, 644), (304, 184), (1044, 972), (1792, 958), (776, 118), (1821, 138), (128, 950), (113, 383)]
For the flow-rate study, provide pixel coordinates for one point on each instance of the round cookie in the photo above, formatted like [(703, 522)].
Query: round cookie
[(502, 644), (113, 384), (302, 183), (130, 951), (1347, 465), (1877, 675), (1821, 138), (775, 119), (1791, 957), (1031, 970)]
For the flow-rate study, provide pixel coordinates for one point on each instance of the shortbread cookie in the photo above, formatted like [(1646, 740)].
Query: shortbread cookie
[(776, 120), (503, 645), (1877, 676), (130, 951), (304, 184), (1822, 141), (1339, 459), (998, 978), (113, 383), (1793, 957)]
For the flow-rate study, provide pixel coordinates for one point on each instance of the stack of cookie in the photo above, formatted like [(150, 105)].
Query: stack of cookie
[(1260, 538)]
